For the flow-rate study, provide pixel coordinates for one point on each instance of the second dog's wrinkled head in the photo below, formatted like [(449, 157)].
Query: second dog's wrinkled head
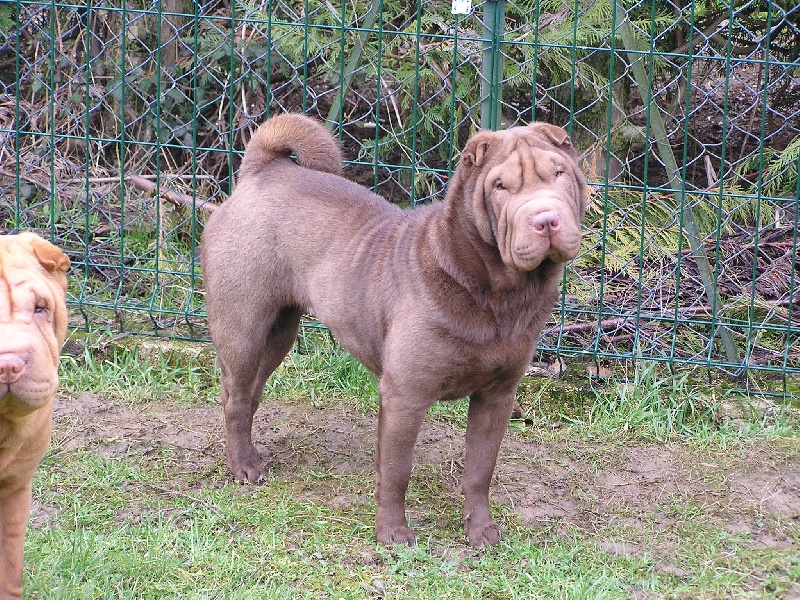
[(528, 193), (33, 321)]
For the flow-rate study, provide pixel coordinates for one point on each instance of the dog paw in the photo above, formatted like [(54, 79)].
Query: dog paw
[(246, 467), (249, 476), (390, 536), (484, 535)]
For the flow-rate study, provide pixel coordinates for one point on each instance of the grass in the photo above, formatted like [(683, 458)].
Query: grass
[(152, 524), (660, 408), (272, 545), (139, 370)]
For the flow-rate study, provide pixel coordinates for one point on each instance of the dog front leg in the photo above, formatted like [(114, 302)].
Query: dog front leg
[(14, 510), (487, 421), (399, 421)]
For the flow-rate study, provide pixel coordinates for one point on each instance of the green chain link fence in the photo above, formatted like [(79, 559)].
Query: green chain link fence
[(123, 122)]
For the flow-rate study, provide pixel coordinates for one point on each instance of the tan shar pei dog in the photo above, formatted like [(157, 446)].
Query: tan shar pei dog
[(33, 325), (440, 302)]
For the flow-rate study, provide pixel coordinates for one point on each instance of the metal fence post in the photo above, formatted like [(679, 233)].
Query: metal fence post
[(492, 65)]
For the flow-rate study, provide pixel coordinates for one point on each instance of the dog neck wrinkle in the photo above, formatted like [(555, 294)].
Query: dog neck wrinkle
[(479, 282), (456, 236), (458, 233)]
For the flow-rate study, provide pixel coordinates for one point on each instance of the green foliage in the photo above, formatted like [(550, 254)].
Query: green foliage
[(322, 372), (7, 18), (656, 404), (117, 370), (775, 170), (653, 406), (649, 227), (561, 56)]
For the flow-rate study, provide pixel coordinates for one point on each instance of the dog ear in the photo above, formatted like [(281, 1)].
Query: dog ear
[(556, 135), (477, 148), (50, 256)]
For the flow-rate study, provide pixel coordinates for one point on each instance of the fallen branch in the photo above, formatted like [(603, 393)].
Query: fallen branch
[(142, 182), (175, 197), (115, 179), (775, 359), (31, 180), (617, 322)]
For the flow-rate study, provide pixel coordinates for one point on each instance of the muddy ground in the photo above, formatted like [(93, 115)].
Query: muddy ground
[(548, 479)]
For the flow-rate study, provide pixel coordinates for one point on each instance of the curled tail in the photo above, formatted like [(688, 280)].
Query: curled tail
[(290, 133)]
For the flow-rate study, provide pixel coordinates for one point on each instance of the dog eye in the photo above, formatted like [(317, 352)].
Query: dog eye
[(559, 171), (499, 186), (41, 307)]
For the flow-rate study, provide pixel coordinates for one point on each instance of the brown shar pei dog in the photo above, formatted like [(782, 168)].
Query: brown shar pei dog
[(440, 302), (33, 325)]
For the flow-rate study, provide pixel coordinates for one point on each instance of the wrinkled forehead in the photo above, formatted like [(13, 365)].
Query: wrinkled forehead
[(533, 136), (13, 257), (15, 292), (20, 269), (530, 160)]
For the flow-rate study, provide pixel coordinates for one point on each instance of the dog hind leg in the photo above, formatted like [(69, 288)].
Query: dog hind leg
[(246, 360)]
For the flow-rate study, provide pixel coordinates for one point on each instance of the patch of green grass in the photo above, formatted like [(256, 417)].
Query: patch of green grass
[(322, 376), (138, 370), (116, 534), (650, 404), (653, 405), (144, 525), (657, 406)]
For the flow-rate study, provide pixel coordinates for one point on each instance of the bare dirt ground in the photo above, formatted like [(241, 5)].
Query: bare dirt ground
[(755, 490)]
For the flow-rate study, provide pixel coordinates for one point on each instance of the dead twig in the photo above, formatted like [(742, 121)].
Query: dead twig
[(175, 197), (116, 179), (195, 499), (31, 180), (618, 322)]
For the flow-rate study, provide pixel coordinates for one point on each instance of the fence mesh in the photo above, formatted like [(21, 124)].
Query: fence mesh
[(123, 123)]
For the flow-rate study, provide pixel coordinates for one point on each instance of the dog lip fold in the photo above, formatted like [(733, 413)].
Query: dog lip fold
[(533, 252), (527, 252)]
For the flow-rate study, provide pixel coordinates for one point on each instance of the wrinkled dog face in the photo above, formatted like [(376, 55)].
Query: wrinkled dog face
[(32, 321), (529, 194)]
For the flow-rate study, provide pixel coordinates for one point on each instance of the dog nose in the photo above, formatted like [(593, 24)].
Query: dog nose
[(546, 223), (11, 367)]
